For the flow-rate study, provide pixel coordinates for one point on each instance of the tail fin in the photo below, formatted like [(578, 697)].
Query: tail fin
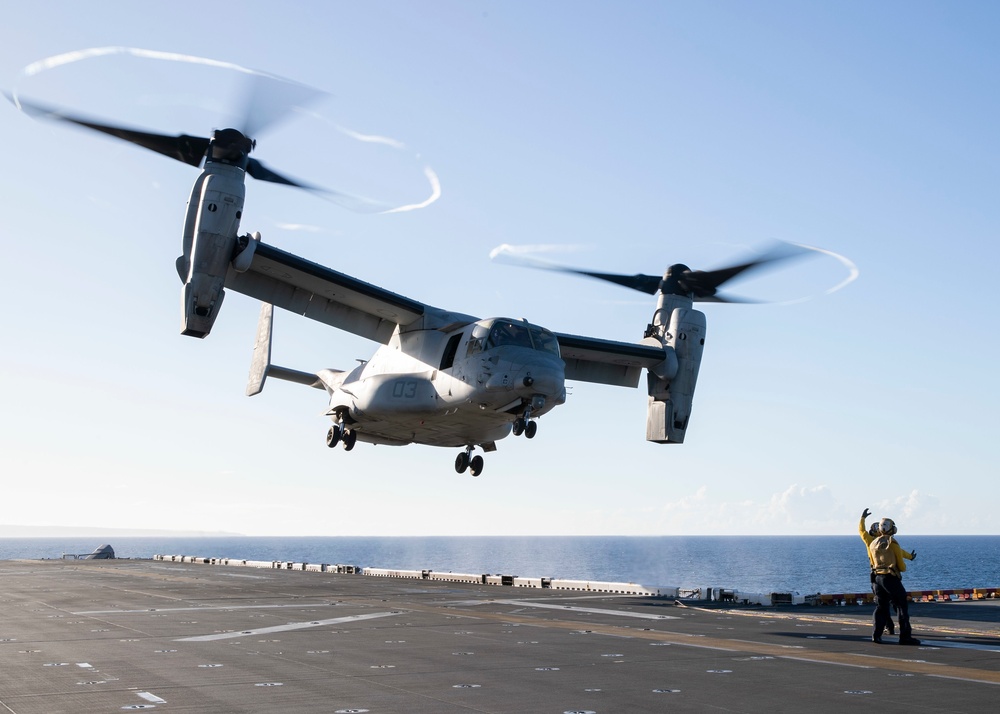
[(260, 363), (261, 360)]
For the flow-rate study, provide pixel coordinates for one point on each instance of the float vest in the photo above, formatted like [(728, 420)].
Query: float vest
[(883, 556)]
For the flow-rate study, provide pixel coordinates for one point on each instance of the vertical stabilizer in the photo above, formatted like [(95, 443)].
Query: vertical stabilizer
[(260, 363)]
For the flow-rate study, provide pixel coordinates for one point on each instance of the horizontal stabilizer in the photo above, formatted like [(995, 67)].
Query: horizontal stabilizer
[(293, 375)]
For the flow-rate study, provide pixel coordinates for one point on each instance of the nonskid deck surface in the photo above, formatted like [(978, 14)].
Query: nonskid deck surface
[(121, 635)]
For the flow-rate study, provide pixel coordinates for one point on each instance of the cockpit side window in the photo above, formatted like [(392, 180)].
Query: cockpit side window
[(450, 350), (478, 339)]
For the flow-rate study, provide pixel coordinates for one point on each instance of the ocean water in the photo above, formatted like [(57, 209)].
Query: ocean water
[(796, 564)]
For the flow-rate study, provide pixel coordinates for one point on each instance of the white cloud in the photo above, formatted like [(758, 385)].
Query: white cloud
[(799, 504), (912, 508), (806, 510)]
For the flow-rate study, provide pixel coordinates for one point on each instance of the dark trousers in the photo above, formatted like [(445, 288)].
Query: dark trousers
[(888, 617), (889, 591)]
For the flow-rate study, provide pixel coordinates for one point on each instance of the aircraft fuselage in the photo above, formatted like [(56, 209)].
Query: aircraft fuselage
[(452, 389)]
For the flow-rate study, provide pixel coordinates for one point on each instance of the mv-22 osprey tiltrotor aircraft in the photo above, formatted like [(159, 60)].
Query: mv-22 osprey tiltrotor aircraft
[(439, 378)]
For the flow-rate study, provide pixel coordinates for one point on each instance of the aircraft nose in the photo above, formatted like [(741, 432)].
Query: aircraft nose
[(545, 378)]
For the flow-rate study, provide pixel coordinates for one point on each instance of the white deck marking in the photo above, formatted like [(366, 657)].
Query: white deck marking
[(300, 606), (286, 628), (959, 645), (593, 610)]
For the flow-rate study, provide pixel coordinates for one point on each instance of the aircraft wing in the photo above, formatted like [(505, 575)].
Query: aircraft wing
[(589, 359), (298, 285), (319, 293)]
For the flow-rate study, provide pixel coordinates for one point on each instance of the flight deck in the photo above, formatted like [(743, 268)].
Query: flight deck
[(120, 635)]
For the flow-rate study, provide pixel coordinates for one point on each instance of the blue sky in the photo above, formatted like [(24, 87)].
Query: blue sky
[(633, 137)]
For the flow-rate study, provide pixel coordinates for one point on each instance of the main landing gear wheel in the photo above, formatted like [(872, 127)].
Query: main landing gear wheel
[(530, 429), (333, 436), (518, 426), (350, 438), (467, 462)]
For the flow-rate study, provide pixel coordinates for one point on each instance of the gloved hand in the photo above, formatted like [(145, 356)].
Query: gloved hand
[(913, 555), (866, 513)]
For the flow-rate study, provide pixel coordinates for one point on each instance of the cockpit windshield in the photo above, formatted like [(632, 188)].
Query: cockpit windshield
[(521, 334)]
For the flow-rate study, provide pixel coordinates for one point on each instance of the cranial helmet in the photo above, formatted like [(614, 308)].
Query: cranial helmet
[(887, 526), (873, 529)]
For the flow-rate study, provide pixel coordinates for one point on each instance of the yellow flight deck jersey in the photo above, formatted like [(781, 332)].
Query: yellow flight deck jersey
[(887, 556), (898, 553)]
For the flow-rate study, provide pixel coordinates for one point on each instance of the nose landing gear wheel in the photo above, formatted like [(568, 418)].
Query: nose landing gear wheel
[(530, 429), (333, 436), (518, 428)]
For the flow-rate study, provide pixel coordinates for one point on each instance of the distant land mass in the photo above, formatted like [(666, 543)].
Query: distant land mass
[(103, 533)]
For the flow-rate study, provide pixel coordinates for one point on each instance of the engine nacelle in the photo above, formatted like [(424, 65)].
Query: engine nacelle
[(670, 398), (211, 226)]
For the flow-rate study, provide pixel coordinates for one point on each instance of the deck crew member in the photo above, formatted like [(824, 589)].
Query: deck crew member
[(868, 534), (889, 559)]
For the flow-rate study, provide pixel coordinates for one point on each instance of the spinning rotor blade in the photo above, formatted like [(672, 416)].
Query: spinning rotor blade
[(649, 284), (358, 204), (192, 149), (268, 100), (182, 147), (704, 284), (262, 173), (679, 279), (690, 282)]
